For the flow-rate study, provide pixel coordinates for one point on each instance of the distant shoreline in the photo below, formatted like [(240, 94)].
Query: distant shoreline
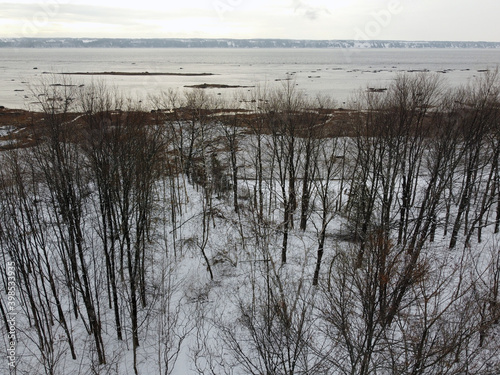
[(236, 43)]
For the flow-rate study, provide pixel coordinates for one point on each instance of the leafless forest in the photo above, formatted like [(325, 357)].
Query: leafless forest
[(271, 234)]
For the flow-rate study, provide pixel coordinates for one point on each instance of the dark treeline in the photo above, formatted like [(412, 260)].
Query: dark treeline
[(228, 43), (365, 239)]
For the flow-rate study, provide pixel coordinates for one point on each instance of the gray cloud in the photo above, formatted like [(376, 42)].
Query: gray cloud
[(85, 13), (300, 19), (310, 12)]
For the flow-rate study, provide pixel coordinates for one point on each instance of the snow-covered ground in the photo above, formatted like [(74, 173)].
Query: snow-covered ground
[(216, 325), (408, 281)]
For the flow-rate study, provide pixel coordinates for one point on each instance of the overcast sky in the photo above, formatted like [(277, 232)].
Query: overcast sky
[(292, 19)]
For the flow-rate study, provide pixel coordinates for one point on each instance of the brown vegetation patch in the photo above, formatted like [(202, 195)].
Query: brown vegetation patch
[(216, 86), (135, 74), (17, 122), (30, 126)]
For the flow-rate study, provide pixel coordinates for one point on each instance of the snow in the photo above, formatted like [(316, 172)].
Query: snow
[(6, 130), (245, 256)]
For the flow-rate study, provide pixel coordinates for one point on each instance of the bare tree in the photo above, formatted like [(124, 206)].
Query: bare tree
[(479, 111), (327, 168), (282, 118), (60, 163), (274, 331), (25, 243)]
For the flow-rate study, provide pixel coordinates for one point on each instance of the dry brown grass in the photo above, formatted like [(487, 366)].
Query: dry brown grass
[(30, 126)]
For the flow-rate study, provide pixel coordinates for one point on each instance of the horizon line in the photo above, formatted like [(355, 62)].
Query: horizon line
[(262, 38)]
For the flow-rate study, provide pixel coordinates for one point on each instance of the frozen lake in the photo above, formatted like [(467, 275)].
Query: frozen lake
[(334, 72)]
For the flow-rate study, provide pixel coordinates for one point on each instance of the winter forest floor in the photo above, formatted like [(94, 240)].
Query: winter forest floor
[(276, 234)]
